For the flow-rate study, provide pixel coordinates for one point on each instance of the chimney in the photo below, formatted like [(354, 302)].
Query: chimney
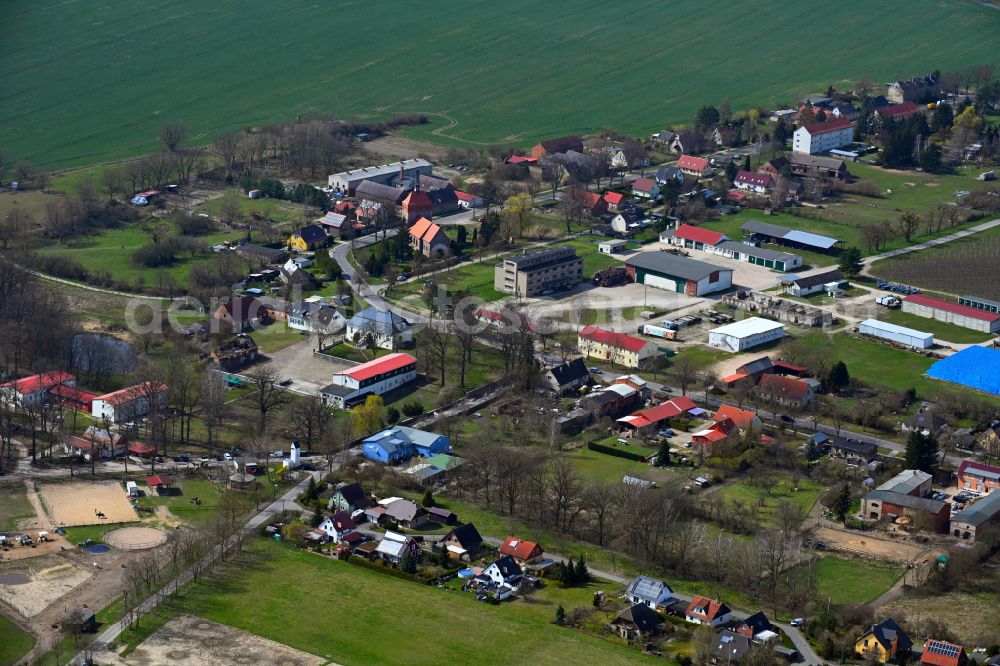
[(402, 172)]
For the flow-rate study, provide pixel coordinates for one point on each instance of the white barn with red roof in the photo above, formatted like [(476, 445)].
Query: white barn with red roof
[(372, 378), (29, 391), (128, 403), (817, 138), (692, 237), (618, 348), (658, 416)]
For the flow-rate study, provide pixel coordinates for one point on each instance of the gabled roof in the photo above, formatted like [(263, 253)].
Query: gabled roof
[(613, 339), (507, 567), (757, 622), (383, 321), (424, 230), (743, 418), (650, 589), (418, 199), (562, 144), (404, 510), (661, 412), (132, 393), (954, 308), (673, 265), (519, 548), (705, 608), (784, 387), (614, 198), (887, 633), (569, 371), (645, 619), (342, 521), (42, 382), (818, 278), (828, 126), (644, 184), (973, 468), (817, 161), (467, 536), (756, 366), (692, 163), (331, 219), (942, 653), (593, 200), (699, 234), (755, 179), (311, 233), (368, 189), (393, 544), (729, 647), (979, 512), (898, 110), (378, 366)]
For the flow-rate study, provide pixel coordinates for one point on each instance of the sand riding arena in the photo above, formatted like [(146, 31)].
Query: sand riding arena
[(135, 538), (101, 503)]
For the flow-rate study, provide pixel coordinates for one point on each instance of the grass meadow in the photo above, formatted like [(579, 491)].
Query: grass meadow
[(14, 642), (85, 84)]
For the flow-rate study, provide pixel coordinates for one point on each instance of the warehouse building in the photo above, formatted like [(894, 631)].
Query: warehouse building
[(977, 520), (678, 274), (699, 238), (953, 313), (383, 174), (978, 303), (975, 367), (534, 273), (747, 334), (924, 512), (765, 232), (894, 333)]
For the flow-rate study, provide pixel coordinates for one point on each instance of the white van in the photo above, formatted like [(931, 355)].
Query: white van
[(132, 489)]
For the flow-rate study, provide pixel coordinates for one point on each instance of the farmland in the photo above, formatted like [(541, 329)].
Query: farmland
[(963, 267), (516, 72)]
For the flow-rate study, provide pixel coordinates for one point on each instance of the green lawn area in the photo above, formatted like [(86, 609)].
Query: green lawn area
[(66, 647), (845, 581), (352, 353), (14, 507), (940, 329), (605, 468), (808, 492), (112, 251), (66, 110), (367, 608), (475, 278), (14, 642), (93, 532), (272, 209), (181, 506), (874, 363), (277, 336)]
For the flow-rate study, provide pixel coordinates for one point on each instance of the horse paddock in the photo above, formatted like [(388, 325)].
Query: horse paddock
[(71, 504)]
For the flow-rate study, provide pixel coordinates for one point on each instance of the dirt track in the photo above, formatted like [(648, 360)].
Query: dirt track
[(866, 544)]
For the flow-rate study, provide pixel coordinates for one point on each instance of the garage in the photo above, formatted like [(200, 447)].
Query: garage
[(662, 282)]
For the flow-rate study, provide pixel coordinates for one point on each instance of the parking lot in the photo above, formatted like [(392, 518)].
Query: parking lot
[(308, 373)]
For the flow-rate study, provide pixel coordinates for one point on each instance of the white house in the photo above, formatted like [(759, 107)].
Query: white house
[(629, 221), (128, 403), (703, 610), (375, 377), (394, 547), (504, 571), (749, 181), (383, 327), (817, 138), (337, 526), (316, 317), (650, 592)]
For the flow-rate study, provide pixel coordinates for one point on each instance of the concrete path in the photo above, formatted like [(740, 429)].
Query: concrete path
[(868, 261)]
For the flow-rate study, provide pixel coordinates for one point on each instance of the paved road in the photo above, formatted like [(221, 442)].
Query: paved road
[(111, 634), (932, 243)]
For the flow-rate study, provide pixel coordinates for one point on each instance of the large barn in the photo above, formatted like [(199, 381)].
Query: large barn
[(678, 274), (953, 313)]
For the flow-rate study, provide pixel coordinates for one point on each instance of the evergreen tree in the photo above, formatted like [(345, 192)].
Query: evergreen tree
[(560, 615), (842, 504), (428, 499), (317, 516), (663, 455), (838, 377), (921, 452), (392, 415), (851, 263), (746, 163), (463, 237), (731, 172), (707, 116), (408, 564), (582, 574), (312, 492), (443, 558)]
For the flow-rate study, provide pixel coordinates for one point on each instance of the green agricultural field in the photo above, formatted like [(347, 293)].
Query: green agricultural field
[(438, 626), (14, 643), (85, 84), (852, 581), (112, 251), (874, 363)]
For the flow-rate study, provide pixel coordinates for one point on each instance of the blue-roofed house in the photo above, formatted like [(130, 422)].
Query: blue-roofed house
[(383, 328), (400, 443)]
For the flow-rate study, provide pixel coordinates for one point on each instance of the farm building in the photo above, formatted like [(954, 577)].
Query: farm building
[(953, 313), (817, 138), (742, 335), (612, 246), (375, 377), (773, 233), (978, 477), (883, 504), (809, 284), (894, 333), (976, 367), (693, 238), (978, 303), (678, 274), (759, 256), (977, 519), (385, 174), (813, 166), (128, 403)]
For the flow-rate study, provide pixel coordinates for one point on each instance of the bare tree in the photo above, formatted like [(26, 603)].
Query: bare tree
[(212, 405), (172, 135), (685, 371), (268, 395), (310, 418)]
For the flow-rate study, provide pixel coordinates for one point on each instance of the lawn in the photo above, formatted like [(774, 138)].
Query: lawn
[(277, 336), (271, 209), (93, 532), (940, 329), (517, 72), (804, 497), (605, 468), (112, 251), (181, 505), (421, 625), (14, 642), (852, 581), (14, 507)]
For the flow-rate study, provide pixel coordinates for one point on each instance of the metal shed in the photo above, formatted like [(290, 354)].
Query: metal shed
[(900, 334)]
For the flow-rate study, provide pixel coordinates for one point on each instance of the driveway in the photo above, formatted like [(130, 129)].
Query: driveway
[(309, 373)]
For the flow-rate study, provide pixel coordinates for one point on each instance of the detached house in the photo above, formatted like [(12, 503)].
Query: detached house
[(384, 328), (522, 551), (744, 419), (567, 377), (337, 526), (649, 592), (703, 610), (757, 183), (884, 642), (616, 347), (786, 391), (852, 451), (645, 188), (504, 572), (429, 239), (942, 653), (240, 312), (636, 622), (351, 497), (614, 200), (694, 166), (309, 237), (406, 514), (757, 628), (594, 204), (395, 546), (728, 648), (464, 542)]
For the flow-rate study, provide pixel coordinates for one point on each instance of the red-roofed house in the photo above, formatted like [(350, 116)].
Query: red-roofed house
[(817, 138), (466, 200), (645, 188), (943, 653), (953, 313), (129, 403), (979, 477), (374, 377), (595, 204), (619, 348), (696, 238), (429, 239), (240, 312), (897, 111), (520, 159), (614, 200), (658, 416), (786, 391), (523, 552), (703, 610), (337, 526), (744, 419), (694, 166), (748, 181), (82, 446), (31, 390)]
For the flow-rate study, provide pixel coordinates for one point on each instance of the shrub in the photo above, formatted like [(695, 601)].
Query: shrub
[(413, 409), (628, 455)]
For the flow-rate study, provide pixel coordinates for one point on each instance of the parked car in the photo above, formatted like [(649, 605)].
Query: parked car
[(278, 454), (596, 371), (797, 622)]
